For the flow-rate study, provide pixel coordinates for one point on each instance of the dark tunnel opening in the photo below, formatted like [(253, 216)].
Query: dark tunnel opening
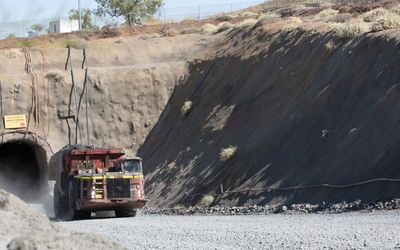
[(23, 169)]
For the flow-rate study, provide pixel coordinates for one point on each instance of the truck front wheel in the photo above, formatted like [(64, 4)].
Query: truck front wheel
[(60, 204), (71, 212), (57, 203)]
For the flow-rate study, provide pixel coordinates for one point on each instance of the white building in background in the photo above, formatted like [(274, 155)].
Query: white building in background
[(63, 26)]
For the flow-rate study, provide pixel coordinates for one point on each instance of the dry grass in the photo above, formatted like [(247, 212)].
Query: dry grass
[(171, 32), (267, 18), (224, 18), (290, 27), (349, 29), (227, 153), (374, 15), (186, 108), (188, 20), (223, 26), (341, 18), (208, 28), (76, 44), (246, 23), (390, 21), (326, 14), (296, 20), (396, 9), (249, 14), (13, 53), (190, 31)]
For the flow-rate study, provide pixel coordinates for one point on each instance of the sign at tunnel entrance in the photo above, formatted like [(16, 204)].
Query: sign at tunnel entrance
[(15, 121)]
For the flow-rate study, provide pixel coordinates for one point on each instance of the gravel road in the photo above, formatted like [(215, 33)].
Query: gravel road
[(355, 230)]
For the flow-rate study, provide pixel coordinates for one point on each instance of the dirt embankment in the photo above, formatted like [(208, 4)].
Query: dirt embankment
[(302, 107), (24, 228)]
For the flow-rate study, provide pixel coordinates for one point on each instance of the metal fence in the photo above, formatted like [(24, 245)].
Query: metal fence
[(203, 11), (24, 28)]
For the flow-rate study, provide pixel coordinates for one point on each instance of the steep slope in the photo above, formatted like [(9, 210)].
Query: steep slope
[(302, 107)]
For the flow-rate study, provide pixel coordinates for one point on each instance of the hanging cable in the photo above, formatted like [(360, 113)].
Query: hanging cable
[(77, 123)]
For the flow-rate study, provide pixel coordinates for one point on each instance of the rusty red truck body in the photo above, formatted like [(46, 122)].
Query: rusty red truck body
[(94, 179)]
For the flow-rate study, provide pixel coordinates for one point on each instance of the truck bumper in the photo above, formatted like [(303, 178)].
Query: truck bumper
[(106, 205)]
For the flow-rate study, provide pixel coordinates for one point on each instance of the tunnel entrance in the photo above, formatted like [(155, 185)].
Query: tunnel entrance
[(23, 169)]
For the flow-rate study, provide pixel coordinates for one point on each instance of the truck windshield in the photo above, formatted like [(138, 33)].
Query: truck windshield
[(134, 166)]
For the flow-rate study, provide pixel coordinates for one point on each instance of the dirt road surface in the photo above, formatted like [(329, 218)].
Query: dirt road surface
[(358, 230)]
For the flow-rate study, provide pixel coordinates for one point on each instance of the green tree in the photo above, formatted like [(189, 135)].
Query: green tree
[(131, 10), (87, 22), (35, 29)]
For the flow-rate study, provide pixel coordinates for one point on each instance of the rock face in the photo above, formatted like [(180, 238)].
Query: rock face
[(24, 228), (298, 113), (129, 85)]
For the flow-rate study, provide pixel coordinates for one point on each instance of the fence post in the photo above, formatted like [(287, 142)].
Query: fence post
[(199, 16), (231, 8), (23, 29), (165, 15)]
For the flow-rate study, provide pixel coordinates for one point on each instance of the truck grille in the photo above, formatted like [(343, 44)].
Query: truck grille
[(118, 188)]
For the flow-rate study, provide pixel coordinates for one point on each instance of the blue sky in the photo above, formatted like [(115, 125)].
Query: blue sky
[(16, 10)]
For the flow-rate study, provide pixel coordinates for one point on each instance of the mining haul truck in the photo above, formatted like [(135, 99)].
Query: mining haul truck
[(91, 179)]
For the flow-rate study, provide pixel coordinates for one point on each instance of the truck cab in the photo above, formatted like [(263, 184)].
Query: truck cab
[(94, 179)]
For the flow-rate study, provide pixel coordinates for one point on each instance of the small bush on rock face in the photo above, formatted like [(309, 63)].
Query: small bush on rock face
[(329, 46), (206, 201), (227, 153), (187, 106), (55, 76), (208, 29)]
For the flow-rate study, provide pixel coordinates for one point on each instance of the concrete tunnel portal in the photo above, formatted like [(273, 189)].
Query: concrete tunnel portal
[(23, 169)]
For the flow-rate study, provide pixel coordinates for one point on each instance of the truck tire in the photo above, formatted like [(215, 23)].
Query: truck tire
[(56, 203), (59, 203), (125, 213), (71, 212), (71, 208)]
